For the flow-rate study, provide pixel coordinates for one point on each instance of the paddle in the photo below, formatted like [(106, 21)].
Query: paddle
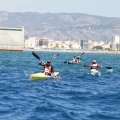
[(108, 67), (65, 62), (83, 53), (85, 65), (36, 55), (54, 76)]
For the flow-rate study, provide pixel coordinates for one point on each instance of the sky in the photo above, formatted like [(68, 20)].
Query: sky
[(106, 8)]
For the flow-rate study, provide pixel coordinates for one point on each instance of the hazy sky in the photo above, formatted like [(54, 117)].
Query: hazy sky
[(107, 8)]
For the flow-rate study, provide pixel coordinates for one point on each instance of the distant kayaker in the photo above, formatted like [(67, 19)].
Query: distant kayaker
[(74, 59), (95, 65), (48, 68), (78, 58), (54, 56)]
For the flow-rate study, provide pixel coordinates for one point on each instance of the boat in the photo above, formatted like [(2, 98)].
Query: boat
[(72, 62), (42, 76), (94, 72)]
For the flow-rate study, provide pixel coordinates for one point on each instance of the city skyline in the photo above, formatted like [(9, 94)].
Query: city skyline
[(108, 8)]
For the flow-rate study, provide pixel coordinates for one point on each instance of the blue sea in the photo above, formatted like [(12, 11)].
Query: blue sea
[(77, 95)]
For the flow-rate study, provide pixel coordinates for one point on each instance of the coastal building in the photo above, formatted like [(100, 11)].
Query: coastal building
[(107, 45), (118, 46), (43, 42), (66, 45), (90, 44), (84, 44), (59, 44), (95, 43), (12, 39), (75, 45), (115, 42), (51, 44)]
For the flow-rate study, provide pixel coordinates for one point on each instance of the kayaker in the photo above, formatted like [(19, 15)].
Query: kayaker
[(95, 65), (78, 58), (74, 59), (54, 56), (48, 68)]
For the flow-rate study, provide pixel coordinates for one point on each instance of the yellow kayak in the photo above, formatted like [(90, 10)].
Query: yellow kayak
[(42, 76)]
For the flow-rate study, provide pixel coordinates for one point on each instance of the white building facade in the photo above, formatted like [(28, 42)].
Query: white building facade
[(115, 45), (12, 39)]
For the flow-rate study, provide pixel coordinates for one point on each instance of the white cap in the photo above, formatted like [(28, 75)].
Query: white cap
[(94, 60)]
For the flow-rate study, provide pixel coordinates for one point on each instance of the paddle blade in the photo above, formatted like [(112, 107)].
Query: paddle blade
[(108, 67), (34, 54), (86, 65), (83, 53), (65, 62)]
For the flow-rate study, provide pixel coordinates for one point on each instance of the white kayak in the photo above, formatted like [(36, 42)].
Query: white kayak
[(72, 62), (42, 76), (94, 72)]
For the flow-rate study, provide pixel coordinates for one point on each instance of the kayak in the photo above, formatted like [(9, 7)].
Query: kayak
[(94, 72), (72, 62), (42, 76)]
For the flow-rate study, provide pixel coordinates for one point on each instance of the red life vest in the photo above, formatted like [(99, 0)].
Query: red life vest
[(47, 70), (74, 60), (94, 66)]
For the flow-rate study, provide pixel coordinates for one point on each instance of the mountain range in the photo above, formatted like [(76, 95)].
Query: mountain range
[(63, 26)]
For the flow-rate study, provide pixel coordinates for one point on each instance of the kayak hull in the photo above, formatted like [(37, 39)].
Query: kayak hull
[(72, 62), (42, 76), (94, 71)]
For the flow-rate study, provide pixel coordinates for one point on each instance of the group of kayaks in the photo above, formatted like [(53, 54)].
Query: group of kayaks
[(42, 76)]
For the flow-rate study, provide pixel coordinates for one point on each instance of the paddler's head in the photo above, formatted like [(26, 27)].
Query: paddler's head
[(94, 61), (48, 62)]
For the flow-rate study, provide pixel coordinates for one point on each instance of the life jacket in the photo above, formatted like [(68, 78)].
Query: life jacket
[(74, 60), (47, 70), (78, 59), (94, 66)]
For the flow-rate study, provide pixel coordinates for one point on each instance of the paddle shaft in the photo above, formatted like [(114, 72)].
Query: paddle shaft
[(85, 65)]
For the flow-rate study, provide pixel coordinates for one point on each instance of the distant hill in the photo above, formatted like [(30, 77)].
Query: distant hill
[(63, 26)]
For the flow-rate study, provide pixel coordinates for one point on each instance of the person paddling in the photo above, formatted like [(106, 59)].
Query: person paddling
[(74, 59), (48, 68), (54, 56), (94, 65), (78, 58)]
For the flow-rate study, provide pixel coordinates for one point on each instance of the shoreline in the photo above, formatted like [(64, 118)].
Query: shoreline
[(75, 51)]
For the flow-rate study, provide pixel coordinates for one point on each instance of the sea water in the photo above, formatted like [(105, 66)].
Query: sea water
[(77, 95)]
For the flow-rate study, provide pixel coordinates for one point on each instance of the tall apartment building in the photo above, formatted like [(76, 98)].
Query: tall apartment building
[(84, 44), (115, 44)]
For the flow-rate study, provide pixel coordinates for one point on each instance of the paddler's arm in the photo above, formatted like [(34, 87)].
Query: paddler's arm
[(99, 66), (52, 69)]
